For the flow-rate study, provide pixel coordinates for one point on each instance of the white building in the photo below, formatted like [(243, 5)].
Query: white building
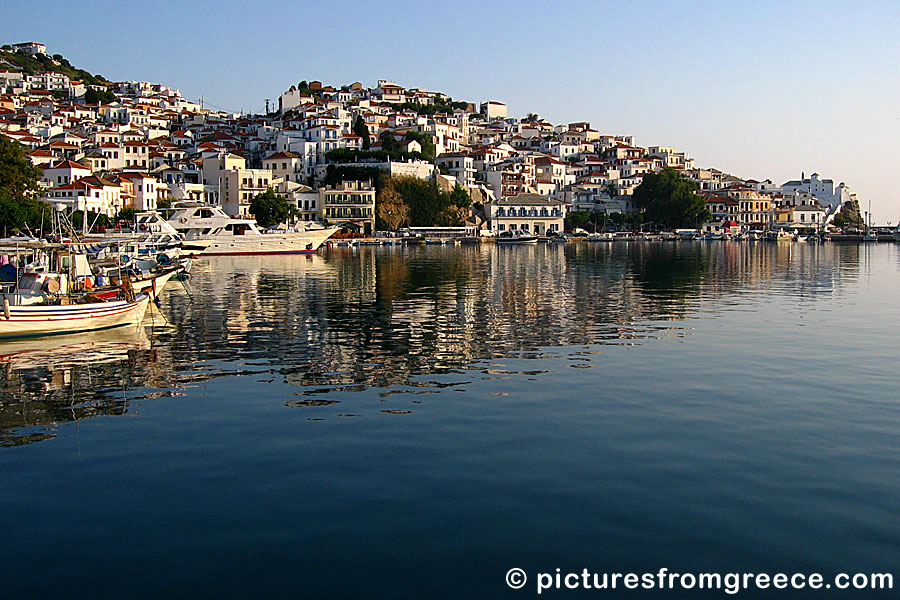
[(529, 213), (493, 110), (823, 189), (30, 48)]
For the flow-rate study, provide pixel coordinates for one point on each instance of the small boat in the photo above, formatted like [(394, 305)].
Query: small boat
[(514, 237), (601, 237), (87, 313), (780, 235)]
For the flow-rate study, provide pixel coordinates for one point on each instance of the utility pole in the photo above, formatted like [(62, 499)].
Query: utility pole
[(267, 106)]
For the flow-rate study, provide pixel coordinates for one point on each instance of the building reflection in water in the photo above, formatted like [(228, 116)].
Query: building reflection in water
[(354, 318)]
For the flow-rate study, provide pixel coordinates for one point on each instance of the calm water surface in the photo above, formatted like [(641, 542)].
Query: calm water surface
[(413, 422)]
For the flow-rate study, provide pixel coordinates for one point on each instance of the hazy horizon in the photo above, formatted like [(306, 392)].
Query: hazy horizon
[(763, 92)]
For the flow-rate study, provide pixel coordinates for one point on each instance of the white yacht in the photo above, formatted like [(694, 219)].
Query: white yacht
[(223, 235), (149, 236)]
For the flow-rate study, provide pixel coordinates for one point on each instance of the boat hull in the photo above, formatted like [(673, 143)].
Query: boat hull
[(40, 320), (269, 243)]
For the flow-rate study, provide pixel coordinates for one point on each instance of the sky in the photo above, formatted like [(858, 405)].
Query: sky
[(763, 90)]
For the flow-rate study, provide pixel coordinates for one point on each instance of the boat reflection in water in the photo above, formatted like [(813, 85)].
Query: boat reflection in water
[(45, 381)]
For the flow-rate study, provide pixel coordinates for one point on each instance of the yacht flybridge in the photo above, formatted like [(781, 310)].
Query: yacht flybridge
[(224, 235)]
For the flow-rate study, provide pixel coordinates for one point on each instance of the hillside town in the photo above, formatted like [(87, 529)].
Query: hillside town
[(105, 147)]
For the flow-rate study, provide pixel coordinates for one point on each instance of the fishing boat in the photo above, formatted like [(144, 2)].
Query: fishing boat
[(223, 235), (86, 313), (38, 272), (508, 238)]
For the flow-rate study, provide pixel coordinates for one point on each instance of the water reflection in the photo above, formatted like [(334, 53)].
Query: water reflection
[(65, 378), (349, 319)]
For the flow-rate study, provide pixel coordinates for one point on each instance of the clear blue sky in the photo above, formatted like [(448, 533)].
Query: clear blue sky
[(761, 90)]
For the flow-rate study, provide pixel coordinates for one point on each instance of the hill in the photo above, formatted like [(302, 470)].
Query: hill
[(41, 63)]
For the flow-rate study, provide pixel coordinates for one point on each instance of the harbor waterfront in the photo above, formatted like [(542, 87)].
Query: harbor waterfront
[(414, 421)]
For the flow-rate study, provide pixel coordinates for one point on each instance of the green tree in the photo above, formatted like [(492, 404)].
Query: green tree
[(92, 96), (599, 217), (635, 220), (390, 210), (19, 209), (425, 200), (360, 129), (126, 214), (388, 142), (611, 190), (271, 209), (452, 216), (577, 218), (18, 178), (670, 198), (618, 219), (459, 197)]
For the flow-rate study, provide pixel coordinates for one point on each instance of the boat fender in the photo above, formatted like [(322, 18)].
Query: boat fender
[(6, 307), (163, 259), (51, 286)]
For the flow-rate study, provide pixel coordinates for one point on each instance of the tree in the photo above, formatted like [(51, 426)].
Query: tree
[(360, 129), (388, 142), (426, 201), (452, 216), (19, 209), (390, 210), (126, 214), (271, 209), (599, 217), (611, 190), (618, 219), (92, 96), (670, 198), (577, 218), (459, 197), (635, 220)]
